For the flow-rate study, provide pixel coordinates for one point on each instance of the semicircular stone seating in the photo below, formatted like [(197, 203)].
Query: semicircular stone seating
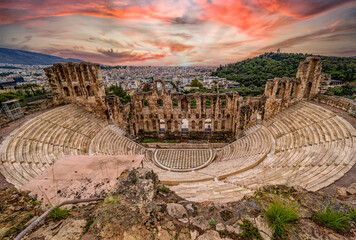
[(304, 145)]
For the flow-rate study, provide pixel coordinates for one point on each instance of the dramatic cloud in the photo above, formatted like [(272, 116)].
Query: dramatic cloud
[(184, 32)]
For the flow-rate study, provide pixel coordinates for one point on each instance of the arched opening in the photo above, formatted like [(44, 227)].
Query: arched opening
[(184, 105), (66, 91), (169, 126), (147, 124), (193, 125), (154, 125), (185, 126), (90, 91), (216, 125), (200, 125), (292, 90), (162, 126), (175, 102), (134, 129), (308, 90), (176, 125), (160, 102), (145, 103), (193, 103), (77, 91), (223, 125), (207, 126)]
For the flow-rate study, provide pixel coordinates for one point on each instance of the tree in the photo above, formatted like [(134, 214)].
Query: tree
[(196, 83)]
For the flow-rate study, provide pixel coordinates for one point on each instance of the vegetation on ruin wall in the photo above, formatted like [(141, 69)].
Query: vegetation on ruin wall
[(344, 91), (26, 93), (256, 71), (120, 92)]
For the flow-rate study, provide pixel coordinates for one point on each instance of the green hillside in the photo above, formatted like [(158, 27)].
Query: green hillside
[(256, 71)]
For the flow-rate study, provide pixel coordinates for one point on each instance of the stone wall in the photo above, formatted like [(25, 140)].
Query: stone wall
[(164, 115), (80, 83), (346, 105)]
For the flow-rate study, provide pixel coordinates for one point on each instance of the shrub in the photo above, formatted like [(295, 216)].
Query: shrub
[(331, 219), (87, 226), (163, 189), (249, 231), (193, 103), (134, 181), (212, 224), (280, 215), (58, 213)]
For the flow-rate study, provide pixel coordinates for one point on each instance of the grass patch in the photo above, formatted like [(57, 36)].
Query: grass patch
[(280, 215), (212, 224), (249, 231), (87, 226), (58, 213), (35, 203), (352, 216), (151, 140), (11, 231), (329, 218), (163, 189)]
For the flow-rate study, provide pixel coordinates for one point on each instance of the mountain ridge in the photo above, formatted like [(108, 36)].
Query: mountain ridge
[(15, 56)]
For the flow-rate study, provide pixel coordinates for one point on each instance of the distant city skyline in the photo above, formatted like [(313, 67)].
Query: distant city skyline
[(182, 33)]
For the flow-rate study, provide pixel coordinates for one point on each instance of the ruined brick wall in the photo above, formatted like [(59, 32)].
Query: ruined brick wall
[(338, 102), (159, 114), (162, 114), (280, 93), (79, 83)]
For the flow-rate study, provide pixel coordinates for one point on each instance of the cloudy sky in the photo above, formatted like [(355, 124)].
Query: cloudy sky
[(177, 32)]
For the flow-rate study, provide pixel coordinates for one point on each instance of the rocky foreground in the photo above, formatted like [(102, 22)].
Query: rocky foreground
[(140, 207)]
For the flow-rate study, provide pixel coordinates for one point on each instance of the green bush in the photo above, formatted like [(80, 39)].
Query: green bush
[(87, 225), (249, 231), (163, 189), (58, 213), (212, 224), (193, 103), (331, 219), (280, 215)]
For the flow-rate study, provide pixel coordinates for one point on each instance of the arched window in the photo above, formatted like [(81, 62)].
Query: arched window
[(154, 124), (308, 90), (147, 126), (216, 126), (90, 91), (176, 125), (184, 105), (162, 126), (169, 125), (200, 125), (160, 102), (185, 126), (77, 91), (207, 125), (223, 125), (193, 125), (66, 91)]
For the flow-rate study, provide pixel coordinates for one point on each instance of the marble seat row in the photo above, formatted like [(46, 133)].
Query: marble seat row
[(311, 147), (111, 141), (37, 144)]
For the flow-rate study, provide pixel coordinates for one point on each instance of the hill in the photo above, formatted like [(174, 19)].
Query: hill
[(14, 56), (256, 71)]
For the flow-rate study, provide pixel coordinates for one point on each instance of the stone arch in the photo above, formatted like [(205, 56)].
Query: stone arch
[(90, 91), (159, 86), (169, 125), (185, 126), (207, 125), (184, 105), (66, 91), (77, 91), (162, 126), (308, 90)]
